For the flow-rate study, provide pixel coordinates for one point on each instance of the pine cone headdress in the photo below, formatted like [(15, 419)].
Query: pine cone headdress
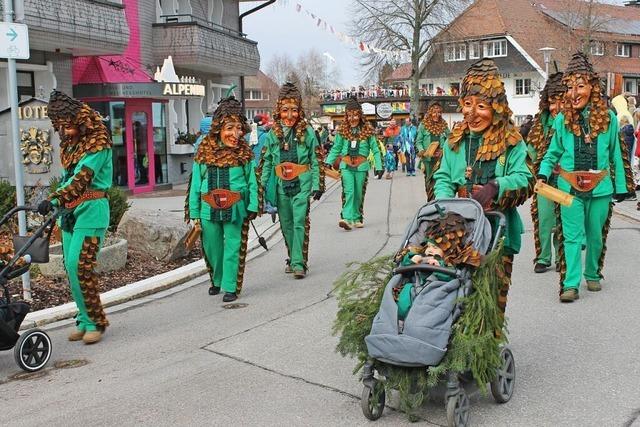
[(290, 91), (434, 128), (66, 111), (580, 67), (449, 232), (211, 150), (554, 87), (366, 130), (482, 80)]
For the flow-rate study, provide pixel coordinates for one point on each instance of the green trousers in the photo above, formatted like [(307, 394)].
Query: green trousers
[(79, 257), (354, 185), (584, 221), (222, 242), (294, 213), (546, 234)]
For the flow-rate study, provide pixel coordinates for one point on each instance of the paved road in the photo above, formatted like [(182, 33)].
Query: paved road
[(185, 360)]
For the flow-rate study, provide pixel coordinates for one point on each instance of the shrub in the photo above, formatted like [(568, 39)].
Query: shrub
[(118, 205), (7, 197)]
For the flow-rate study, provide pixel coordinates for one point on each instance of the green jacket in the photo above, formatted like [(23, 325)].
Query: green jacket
[(306, 151), (423, 140), (241, 179), (512, 173), (369, 146), (92, 213), (562, 151)]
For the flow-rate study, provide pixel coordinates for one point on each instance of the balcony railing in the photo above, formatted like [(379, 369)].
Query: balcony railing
[(186, 18)]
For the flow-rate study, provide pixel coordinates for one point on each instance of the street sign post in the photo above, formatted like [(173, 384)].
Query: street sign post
[(15, 41), (15, 45)]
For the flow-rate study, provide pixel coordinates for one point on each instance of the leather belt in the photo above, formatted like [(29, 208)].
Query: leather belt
[(86, 196), (221, 198), (288, 171), (583, 180), (354, 161)]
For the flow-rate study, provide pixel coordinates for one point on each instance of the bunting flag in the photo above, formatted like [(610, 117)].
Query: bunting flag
[(344, 38)]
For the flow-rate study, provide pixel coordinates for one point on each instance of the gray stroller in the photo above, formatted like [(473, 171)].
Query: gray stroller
[(421, 340)]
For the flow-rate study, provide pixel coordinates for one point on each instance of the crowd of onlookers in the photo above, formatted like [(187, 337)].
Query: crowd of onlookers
[(377, 91)]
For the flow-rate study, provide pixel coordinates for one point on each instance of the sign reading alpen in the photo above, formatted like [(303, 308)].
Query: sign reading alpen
[(182, 89)]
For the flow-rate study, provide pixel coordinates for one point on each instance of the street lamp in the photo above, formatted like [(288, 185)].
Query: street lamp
[(546, 52)]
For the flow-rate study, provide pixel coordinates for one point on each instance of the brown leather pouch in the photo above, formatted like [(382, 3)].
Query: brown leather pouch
[(221, 198), (192, 236), (583, 180), (354, 161), (288, 171)]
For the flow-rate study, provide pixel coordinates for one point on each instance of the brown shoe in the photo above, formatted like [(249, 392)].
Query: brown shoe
[(594, 286), (344, 224), (358, 224), (288, 269), (569, 295), (299, 274), (92, 337), (76, 335)]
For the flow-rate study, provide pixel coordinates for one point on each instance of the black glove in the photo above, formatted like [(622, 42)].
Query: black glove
[(620, 197), (486, 194), (316, 194), (44, 207), (251, 215), (542, 177), (379, 173)]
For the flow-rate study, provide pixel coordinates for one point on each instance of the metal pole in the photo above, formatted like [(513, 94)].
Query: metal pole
[(15, 137)]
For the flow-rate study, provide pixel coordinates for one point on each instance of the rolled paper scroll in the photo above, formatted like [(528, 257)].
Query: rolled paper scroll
[(553, 194)]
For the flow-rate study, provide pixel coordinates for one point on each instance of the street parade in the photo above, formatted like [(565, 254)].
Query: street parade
[(451, 241)]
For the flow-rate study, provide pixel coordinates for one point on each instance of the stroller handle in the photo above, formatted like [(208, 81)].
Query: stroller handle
[(502, 224), (425, 268)]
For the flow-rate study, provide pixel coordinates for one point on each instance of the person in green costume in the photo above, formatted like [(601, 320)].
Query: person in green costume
[(81, 196), (593, 165), (291, 173), (354, 142), (431, 138), (224, 197), (543, 210), (486, 159)]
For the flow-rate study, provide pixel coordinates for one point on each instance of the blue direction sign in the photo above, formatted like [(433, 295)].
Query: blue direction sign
[(14, 41)]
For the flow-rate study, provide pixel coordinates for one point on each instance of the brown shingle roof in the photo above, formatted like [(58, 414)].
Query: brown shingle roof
[(532, 26), (403, 72)]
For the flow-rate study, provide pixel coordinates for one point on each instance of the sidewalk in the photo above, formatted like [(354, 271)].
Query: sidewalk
[(627, 209)]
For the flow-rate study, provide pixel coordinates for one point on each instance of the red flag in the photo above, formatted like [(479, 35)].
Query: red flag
[(361, 46)]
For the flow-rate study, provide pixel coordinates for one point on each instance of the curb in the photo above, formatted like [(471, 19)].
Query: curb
[(625, 215), (148, 286)]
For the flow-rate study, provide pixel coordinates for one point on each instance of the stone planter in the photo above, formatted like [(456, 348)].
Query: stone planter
[(112, 257), (181, 149)]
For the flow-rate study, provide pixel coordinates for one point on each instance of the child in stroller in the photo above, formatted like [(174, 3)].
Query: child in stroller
[(452, 237), (32, 349)]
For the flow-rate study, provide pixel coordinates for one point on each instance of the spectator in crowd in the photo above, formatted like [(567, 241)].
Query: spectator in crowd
[(408, 139), (525, 127)]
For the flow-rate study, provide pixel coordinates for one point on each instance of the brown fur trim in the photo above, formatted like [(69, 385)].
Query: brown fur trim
[(242, 255), (210, 152), (93, 137), (305, 242), (434, 128), (364, 192), (515, 198), (89, 281), (79, 184), (187, 215), (628, 175), (320, 159), (598, 116), (507, 261), (207, 264), (259, 171), (430, 183), (536, 228), (561, 259), (605, 234), (366, 130)]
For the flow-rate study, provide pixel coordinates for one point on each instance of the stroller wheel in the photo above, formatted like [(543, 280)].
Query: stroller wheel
[(502, 387), (373, 400), (33, 350), (458, 409)]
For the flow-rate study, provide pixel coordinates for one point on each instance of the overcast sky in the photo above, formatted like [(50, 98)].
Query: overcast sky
[(279, 28)]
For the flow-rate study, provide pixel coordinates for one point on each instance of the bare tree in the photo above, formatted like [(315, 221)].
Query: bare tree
[(401, 25), (279, 67), (584, 19)]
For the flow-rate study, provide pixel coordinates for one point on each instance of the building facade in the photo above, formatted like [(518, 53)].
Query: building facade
[(153, 68), (260, 95)]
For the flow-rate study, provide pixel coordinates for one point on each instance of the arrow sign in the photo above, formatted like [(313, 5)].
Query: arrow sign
[(14, 41), (12, 34)]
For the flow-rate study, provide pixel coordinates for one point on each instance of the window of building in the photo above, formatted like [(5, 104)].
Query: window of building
[(455, 52), (523, 86), (253, 95), (597, 48), (623, 49), (474, 50), (26, 85), (632, 86), (495, 48), (160, 142)]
